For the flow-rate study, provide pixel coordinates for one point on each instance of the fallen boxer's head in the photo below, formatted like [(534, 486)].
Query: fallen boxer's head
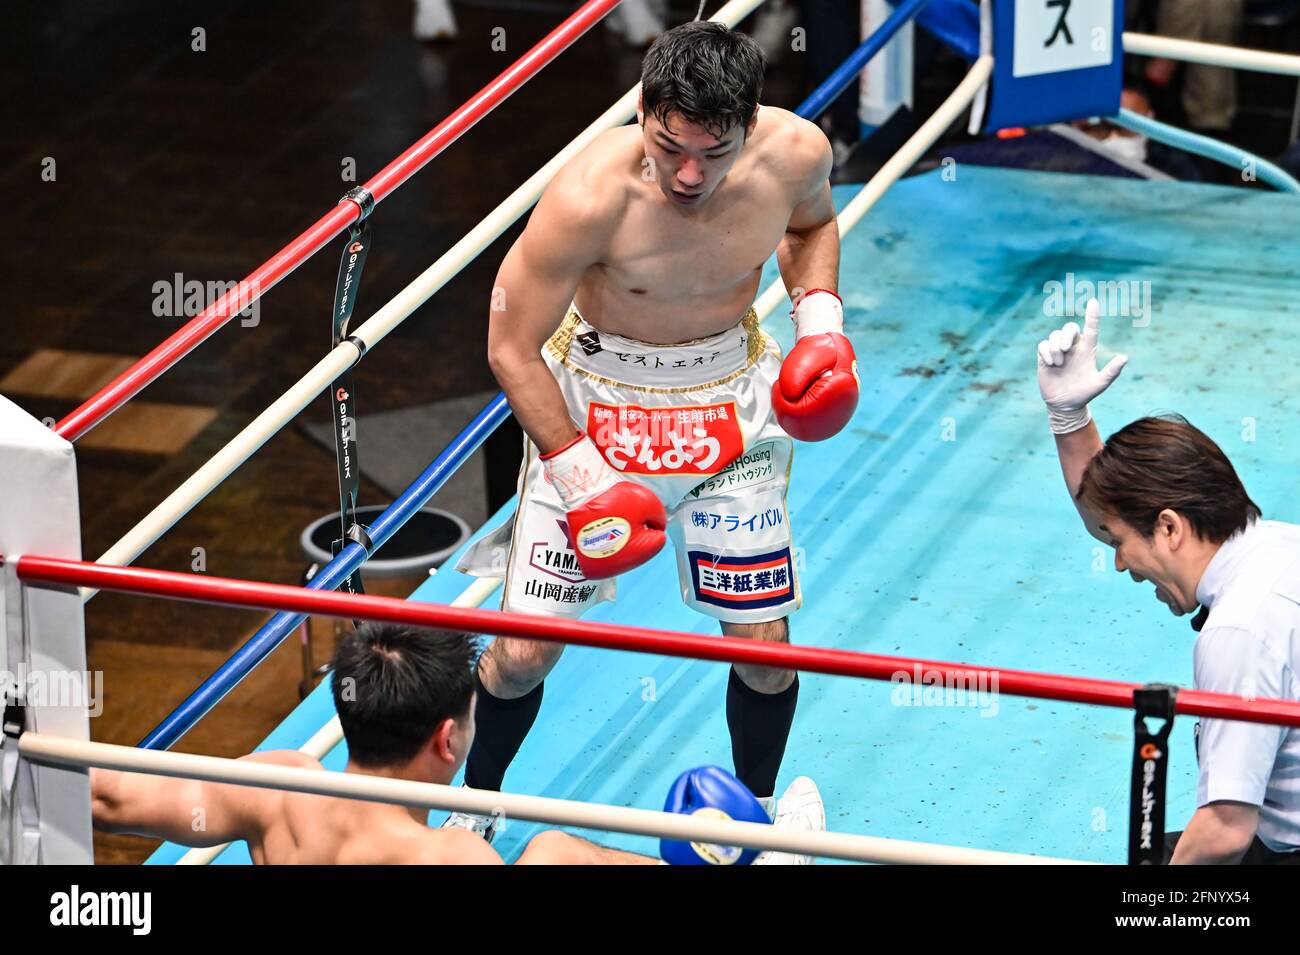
[(405, 698)]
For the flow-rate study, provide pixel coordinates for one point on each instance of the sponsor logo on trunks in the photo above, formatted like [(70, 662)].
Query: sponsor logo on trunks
[(697, 439), (742, 583), (709, 520), (559, 593), (604, 537), (558, 562), (589, 342), (751, 468)]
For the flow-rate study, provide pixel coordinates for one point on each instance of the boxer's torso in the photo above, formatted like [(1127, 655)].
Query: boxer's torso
[(320, 830), (304, 829), (670, 273)]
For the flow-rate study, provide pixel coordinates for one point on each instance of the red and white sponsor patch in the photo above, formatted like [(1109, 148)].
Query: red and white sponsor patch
[(696, 439)]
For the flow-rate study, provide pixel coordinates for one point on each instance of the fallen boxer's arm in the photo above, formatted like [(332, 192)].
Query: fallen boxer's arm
[(191, 812)]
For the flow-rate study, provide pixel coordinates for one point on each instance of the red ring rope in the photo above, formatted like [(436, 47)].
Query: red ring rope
[(245, 593)]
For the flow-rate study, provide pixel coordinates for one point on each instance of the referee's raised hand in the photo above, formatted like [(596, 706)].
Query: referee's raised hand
[(1068, 377)]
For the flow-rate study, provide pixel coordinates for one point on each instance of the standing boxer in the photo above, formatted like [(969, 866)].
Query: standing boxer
[(623, 333)]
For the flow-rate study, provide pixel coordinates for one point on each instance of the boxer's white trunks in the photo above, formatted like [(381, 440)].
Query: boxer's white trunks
[(691, 422)]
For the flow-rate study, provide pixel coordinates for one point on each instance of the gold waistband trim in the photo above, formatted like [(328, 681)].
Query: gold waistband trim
[(562, 340)]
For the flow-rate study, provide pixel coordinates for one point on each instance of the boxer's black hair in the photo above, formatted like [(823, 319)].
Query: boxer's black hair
[(393, 685), (708, 74), (1164, 462)]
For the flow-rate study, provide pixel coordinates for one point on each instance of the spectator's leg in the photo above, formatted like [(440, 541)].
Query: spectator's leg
[(1209, 92)]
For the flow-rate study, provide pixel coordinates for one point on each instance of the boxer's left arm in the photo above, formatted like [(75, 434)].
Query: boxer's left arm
[(191, 812), (817, 390), (809, 253)]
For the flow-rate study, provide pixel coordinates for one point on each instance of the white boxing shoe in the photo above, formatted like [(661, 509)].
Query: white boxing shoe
[(485, 826), (800, 807), (434, 20), (638, 22)]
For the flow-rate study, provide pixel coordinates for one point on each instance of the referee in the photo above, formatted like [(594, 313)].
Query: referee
[(1168, 500)]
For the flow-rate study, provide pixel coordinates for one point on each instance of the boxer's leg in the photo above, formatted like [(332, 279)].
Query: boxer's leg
[(553, 847), (542, 577), (762, 679), (735, 563), (509, 685), (760, 710)]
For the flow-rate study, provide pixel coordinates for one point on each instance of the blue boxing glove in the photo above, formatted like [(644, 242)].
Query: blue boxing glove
[(713, 793)]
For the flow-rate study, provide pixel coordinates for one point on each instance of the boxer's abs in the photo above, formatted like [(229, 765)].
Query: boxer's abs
[(665, 321)]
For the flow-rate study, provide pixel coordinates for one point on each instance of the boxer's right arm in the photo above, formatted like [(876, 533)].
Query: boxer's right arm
[(191, 812), (613, 524), (567, 233)]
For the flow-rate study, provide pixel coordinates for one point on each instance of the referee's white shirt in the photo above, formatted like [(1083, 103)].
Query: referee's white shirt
[(1249, 646)]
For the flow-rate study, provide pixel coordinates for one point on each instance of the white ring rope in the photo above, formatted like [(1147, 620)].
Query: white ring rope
[(285, 408), (61, 751), (331, 734), (1212, 54)]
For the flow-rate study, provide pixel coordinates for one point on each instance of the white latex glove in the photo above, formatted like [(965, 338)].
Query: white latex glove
[(1067, 372)]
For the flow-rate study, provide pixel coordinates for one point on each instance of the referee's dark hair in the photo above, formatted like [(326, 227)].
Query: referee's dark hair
[(1164, 462)]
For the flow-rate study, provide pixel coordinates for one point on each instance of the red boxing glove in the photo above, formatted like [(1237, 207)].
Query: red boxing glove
[(817, 391), (614, 525)]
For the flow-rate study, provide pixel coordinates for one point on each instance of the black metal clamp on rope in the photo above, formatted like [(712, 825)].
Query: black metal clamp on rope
[(342, 393), (13, 713), (1147, 800)]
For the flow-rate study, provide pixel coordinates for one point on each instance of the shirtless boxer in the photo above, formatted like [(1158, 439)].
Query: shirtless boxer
[(622, 332), (404, 697)]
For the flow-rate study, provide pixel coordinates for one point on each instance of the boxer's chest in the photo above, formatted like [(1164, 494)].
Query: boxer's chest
[(705, 253)]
